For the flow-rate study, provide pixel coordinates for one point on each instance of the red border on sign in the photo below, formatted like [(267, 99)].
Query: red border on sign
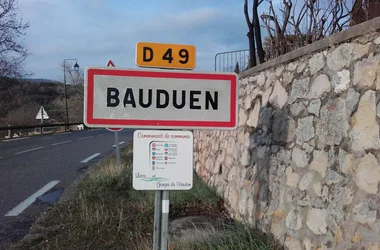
[(157, 74)]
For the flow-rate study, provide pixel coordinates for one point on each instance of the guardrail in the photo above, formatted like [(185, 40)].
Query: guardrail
[(226, 61), (21, 129)]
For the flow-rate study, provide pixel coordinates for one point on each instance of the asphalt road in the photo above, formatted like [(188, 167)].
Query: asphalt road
[(44, 164)]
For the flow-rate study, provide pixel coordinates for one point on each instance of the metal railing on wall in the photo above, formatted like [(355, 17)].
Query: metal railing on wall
[(226, 61), (20, 131)]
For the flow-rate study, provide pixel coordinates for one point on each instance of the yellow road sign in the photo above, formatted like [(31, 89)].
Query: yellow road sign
[(161, 55)]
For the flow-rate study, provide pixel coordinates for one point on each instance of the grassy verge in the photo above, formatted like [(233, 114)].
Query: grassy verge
[(105, 212), (230, 236)]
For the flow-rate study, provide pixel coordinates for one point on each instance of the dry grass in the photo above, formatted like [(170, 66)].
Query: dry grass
[(234, 236), (105, 212)]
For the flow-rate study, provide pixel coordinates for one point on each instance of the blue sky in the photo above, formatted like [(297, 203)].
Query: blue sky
[(94, 31)]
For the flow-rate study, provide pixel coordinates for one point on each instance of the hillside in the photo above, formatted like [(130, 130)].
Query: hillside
[(41, 80), (21, 100)]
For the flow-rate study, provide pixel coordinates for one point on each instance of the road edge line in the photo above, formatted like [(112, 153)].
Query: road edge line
[(29, 201)]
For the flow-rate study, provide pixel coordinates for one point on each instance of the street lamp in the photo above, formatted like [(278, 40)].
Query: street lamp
[(76, 68)]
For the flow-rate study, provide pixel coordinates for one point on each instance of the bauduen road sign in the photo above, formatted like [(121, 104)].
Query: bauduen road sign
[(160, 99), (162, 55), (111, 64)]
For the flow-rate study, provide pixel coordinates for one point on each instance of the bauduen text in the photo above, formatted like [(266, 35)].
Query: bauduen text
[(163, 98)]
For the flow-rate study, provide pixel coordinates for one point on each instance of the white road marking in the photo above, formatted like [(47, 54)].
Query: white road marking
[(26, 203), (63, 133), (59, 143), (122, 142), (104, 134), (32, 149), (16, 139), (87, 137), (90, 158)]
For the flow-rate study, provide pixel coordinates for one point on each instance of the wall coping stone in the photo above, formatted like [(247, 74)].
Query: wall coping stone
[(350, 33)]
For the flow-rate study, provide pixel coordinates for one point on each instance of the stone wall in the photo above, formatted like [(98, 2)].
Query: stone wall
[(303, 164)]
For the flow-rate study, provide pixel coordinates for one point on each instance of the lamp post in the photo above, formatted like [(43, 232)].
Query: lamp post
[(76, 68)]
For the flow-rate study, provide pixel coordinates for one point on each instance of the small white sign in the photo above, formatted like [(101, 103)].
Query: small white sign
[(162, 160), (42, 114)]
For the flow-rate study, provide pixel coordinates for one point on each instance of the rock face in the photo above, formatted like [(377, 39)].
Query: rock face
[(363, 214), (332, 126), (368, 174), (293, 220), (304, 162), (341, 81), (351, 100), (305, 181), (320, 162), (254, 115), (314, 107), (300, 89), (340, 57), (320, 85), (291, 178), (365, 130), (300, 157), (297, 109), (279, 96), (366, 72), (316, 63), (305, 129), (316, 221)]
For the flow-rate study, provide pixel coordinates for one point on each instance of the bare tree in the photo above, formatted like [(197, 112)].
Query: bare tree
[(270, 19), (289, 28), (25, 115), (75, 79), (12, 50), (254, 33), (75, 108), (256, 25)]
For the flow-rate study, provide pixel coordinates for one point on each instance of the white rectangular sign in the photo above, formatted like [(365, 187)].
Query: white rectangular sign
[(162, 160), (164, 99)]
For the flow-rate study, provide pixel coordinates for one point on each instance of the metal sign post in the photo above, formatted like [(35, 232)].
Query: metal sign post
[(117, 146), (165, 220), (162, 161), (115, 130), (157, 220)]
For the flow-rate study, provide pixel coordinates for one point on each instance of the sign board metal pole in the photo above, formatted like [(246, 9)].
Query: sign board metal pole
[(157, 220), (117, 146), (165, 220), (42, 120)]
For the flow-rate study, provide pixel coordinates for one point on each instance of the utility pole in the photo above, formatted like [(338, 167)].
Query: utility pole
[(76, 68)]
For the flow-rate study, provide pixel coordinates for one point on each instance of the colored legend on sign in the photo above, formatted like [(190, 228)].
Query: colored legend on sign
[(163, 154)]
